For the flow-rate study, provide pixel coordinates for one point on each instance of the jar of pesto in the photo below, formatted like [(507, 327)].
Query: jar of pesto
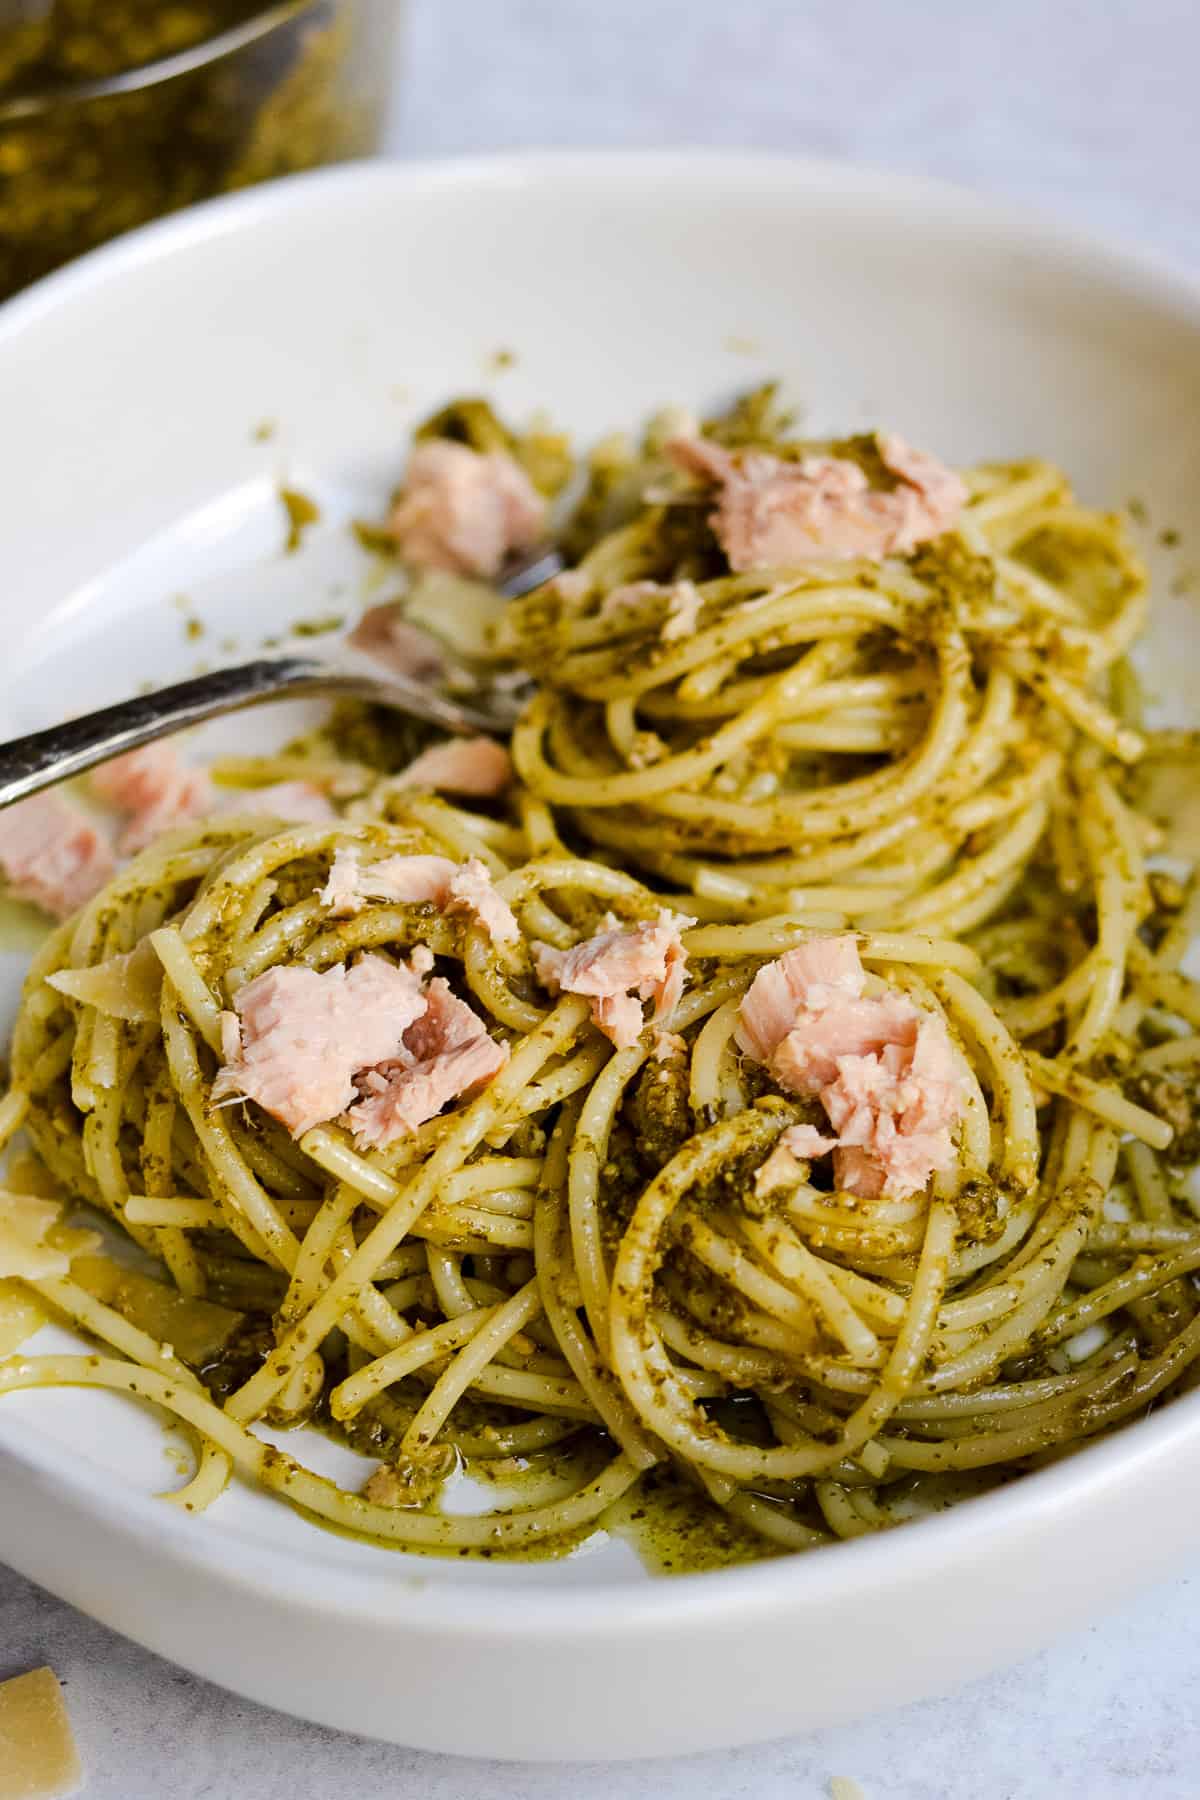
[(115, 111)]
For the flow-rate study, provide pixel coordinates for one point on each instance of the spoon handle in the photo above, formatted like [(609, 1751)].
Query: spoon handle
[(30, 763)]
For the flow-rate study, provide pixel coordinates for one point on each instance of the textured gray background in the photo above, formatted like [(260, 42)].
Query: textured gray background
[(1090, 111)]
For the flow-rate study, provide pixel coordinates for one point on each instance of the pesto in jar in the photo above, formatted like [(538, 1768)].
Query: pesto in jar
[(79, 164)]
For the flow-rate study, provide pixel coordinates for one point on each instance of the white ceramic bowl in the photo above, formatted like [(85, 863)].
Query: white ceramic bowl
[(341, 306)]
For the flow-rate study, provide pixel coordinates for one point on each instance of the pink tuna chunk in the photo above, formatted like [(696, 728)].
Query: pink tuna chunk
[(303, 1036), (464, 511), (403, 880), (859, 1171), (404, 648), (812, 975), (772, 513), (620, 967), (420, 880), (447, 1055), (478, 766), (824, 1038), (883, 1069), (471, 890), (299, 802), (155, 789), (895, 1109), (51, 854), (799, 1143), (942, 490), (342, 894)]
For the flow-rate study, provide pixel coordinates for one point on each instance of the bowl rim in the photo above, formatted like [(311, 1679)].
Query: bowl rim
[(31, 103), (1130, 268), (1145, 1448), (905, 1557)]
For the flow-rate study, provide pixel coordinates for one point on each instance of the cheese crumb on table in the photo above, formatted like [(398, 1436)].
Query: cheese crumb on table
[(38, 1758)]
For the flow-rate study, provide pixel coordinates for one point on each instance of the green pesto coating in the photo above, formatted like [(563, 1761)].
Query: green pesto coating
[(301, 513), (77, 170)]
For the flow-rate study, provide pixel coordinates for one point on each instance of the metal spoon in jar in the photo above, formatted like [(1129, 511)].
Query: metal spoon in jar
[(37, 761)]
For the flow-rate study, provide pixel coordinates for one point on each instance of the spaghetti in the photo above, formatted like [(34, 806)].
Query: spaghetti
[(574, 1275)]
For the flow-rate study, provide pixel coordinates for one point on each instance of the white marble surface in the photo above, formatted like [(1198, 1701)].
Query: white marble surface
[(1088, 108)]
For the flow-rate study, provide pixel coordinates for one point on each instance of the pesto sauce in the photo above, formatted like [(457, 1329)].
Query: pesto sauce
[(368, 1437), (378, 736), (76, 170), (673, 1527), (318, 627), (545, 1550), (376, 540), (301, 513), (677, 1530)]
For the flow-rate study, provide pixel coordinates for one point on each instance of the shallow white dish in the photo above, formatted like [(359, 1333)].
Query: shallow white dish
[(136, 494)]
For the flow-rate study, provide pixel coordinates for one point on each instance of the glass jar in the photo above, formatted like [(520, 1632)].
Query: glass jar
[(113, 112)]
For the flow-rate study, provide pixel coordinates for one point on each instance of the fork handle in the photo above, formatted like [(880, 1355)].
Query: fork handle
[(44, 757), (30, 763)]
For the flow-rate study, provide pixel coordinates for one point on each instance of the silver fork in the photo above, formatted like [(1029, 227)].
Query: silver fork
[(42, 758)]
